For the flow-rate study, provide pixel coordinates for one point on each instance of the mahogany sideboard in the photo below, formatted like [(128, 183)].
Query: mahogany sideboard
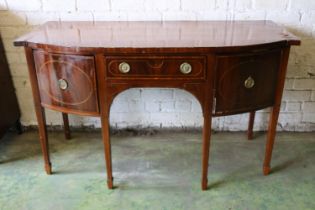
[(231, 67)]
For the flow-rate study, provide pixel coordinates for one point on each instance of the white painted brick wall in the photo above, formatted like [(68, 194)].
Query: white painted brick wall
[(3, 5), (127, 5), (292, 95), (302, 5), (197, 5), (243, 5), (293, 106), (271, 4), (162, 5), (171, 107), (304, 84), (92, 6), (309, 107), (57, 5), (29, 5)]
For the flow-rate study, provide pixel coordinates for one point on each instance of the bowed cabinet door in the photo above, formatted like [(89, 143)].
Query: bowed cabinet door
[(246, 82), (67, 83)]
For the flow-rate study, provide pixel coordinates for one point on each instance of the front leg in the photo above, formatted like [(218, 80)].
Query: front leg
[(107, 148), (40, 112), (106, 96), (41, 119), (206, 136), (275, 111), (271, 138)]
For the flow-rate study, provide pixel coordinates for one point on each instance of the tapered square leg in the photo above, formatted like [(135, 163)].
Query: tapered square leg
[(274, 114), (106, 97), (206, 135), (251, 121), (41, 119), (48, 168), (40, 112), (66, 126), (107, 149), (266, 170), (270, 138)]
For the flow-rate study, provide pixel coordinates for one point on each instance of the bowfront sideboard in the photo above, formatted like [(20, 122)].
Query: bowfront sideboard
[(231, 67)]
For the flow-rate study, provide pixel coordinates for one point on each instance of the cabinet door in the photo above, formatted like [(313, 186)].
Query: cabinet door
[(67, 82), (246, 82)]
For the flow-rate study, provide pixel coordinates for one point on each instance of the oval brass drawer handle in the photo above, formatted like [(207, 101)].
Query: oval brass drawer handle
[(63, 84), (249, 82), (185, 68), (124, 67)]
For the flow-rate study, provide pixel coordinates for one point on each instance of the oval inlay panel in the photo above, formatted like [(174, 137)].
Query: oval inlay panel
[(49, 82), (245, 70), (246, 82)]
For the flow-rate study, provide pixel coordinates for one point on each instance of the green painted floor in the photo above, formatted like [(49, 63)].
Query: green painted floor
[(159, 171)]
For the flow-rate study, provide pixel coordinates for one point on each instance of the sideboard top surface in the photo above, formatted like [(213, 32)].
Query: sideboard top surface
[(156, 34)]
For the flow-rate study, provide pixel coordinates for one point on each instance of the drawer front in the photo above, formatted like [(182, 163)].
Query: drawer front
[(172, 67), (246, 82), (67, 82)]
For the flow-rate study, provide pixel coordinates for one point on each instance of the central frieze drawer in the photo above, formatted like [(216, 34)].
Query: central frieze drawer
[(175, 67)]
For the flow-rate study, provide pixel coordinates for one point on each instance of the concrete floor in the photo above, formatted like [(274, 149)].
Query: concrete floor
[(159, 171)]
